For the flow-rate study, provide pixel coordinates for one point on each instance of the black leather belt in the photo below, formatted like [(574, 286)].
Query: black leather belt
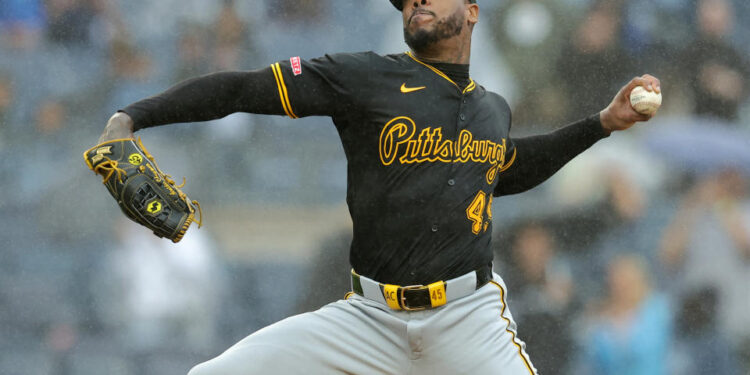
[(417, 297)]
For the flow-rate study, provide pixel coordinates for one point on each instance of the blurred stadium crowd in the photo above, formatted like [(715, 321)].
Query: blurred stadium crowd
[(634, 259)]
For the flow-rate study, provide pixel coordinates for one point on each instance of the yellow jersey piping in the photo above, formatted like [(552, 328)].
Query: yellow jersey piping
[(283, 94), (472, 85), (513, 334)]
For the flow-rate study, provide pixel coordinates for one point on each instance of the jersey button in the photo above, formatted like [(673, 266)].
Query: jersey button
[(434, 227), (451, 182), (462, 117)]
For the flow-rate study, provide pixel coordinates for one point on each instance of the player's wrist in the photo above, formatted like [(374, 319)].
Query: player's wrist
[(607, 121), (119, 126)]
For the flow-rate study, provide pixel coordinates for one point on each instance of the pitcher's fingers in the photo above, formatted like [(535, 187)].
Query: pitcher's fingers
[(653, 81), (635, 116), (635, 82)]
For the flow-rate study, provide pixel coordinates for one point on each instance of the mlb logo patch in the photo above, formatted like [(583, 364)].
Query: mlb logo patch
[(296, 65)]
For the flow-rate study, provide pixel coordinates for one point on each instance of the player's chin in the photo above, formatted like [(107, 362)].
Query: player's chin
[(414, 30), (420, 24)]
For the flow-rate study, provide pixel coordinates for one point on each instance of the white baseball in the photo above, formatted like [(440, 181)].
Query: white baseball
[(644, 101)]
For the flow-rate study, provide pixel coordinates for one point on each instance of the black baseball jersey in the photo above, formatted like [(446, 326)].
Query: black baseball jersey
[(425, 156)]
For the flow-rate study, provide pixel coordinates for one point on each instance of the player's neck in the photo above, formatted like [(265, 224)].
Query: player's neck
[(452, 51)]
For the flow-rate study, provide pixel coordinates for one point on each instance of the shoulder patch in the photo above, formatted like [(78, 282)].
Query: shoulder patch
[(296, 65)]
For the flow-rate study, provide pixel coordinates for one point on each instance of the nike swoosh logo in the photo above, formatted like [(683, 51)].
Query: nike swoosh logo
[(407, 90)]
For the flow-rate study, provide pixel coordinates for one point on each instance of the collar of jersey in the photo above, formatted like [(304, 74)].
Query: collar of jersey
[(472, 85)]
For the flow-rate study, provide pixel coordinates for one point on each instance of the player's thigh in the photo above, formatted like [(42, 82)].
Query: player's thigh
[(350, 336), (475, 335)]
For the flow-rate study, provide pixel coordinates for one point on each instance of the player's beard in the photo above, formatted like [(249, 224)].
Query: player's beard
[(446, 28)]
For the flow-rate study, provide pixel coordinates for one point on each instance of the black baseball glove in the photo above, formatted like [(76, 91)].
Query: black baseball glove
[(145, 194)]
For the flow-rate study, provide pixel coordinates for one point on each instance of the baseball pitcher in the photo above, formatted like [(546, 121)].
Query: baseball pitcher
[(428, 149)]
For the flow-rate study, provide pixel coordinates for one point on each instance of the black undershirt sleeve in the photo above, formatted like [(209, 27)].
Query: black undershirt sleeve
[(539, 157), (210, 97)]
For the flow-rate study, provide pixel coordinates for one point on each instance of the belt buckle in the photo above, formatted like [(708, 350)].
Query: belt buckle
[(402, 298)]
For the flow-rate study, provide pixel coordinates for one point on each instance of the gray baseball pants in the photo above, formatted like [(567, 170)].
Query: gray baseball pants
[(475, 334)]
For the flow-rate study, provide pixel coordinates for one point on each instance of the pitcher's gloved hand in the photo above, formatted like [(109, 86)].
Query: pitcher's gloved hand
[(145, 194)]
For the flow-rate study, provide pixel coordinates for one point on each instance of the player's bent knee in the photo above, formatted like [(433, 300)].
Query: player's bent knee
[(200, 369), (250, 360), (216, 367)]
